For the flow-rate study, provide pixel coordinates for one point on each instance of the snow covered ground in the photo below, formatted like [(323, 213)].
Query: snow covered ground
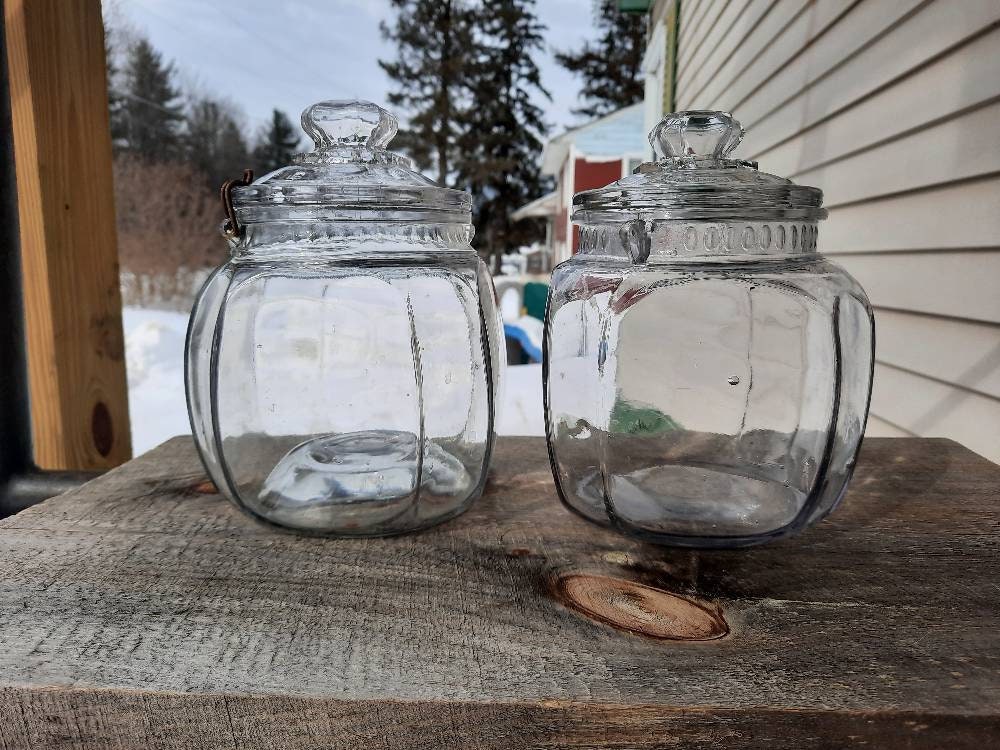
[(154, 356), (521, 413), (154, 346)]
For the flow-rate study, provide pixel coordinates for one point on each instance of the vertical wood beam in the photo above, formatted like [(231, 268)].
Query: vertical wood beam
[(69, 252), (673, 22)]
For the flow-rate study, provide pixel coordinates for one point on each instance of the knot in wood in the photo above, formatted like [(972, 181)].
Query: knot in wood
[(641, 609)]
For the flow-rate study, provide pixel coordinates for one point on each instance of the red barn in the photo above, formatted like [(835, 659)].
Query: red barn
[(586, 157)]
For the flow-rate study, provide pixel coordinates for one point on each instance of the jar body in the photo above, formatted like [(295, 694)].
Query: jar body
[(338, 392), (700, 400)]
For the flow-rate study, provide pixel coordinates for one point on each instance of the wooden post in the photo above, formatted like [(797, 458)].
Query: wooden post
[(670, 65), (69, 252)]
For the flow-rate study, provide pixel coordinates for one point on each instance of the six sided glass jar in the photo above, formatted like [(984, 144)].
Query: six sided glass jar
[(707, 373), (342, 367)]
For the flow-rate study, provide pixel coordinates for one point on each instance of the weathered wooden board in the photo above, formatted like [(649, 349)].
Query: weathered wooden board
[(143, 611)]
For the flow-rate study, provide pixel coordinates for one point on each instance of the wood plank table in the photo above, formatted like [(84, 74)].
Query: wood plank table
[(142, 611)]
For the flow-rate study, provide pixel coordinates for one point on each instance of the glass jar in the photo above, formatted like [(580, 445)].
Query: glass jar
[(342, 367), (706, 372)]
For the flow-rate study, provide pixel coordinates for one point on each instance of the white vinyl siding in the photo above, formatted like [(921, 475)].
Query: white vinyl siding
[(892, 107)]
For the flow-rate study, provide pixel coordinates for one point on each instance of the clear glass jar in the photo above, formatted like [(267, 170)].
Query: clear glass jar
[(706, 373), (342, 367)]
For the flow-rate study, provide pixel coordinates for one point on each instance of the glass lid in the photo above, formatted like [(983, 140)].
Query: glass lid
[(693, 178), (349, 176)]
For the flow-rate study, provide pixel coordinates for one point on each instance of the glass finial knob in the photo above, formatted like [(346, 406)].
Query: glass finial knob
[(349, 123), (696, 134)]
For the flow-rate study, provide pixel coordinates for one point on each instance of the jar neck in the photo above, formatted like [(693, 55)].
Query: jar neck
[(313, 240), (651, 241)]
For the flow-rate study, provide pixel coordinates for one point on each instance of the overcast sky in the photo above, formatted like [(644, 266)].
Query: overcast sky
[(263, 53)]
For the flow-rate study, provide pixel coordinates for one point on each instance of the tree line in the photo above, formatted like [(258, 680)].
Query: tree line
[(172, 151), (465, 82), (152, 120), (465, 72)]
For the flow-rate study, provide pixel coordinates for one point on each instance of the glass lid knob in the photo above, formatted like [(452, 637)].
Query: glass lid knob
[(696, 134), (349, 123)]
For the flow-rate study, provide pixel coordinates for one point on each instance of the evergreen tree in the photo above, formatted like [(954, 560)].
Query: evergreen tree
[(115, 98), (611, 67), (214, 143), (150, 120), (502, 142), (433, 40), (276, 144)]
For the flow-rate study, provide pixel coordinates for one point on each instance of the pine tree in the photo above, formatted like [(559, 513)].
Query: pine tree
[(276, 144), (433, 39), (502, 142), (115, 98), (611, 67), (233, 154), (214, 143), (151, 119)]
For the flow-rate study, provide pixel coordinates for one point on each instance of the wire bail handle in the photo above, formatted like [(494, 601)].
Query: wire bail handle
[(231, 227)]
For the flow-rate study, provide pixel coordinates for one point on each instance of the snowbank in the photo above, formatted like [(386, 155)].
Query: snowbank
[(154, 350)]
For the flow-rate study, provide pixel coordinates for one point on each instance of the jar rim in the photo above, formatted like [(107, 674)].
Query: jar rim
[(643, 241)]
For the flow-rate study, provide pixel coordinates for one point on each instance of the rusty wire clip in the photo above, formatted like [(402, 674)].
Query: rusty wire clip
[(232, 227)]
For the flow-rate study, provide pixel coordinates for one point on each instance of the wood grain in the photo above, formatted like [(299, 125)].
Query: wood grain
[(144, 611), (62, 150)]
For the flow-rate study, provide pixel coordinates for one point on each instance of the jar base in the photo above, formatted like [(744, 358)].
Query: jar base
[(691, 506), (365, 483)]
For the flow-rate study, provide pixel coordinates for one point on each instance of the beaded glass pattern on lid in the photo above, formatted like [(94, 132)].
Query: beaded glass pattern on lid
[(693, 178), (349, 176)]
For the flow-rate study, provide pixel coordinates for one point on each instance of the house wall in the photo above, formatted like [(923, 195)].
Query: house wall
[(561, 222), (658, 63), (892, 107), (563, 229), (589, 175)]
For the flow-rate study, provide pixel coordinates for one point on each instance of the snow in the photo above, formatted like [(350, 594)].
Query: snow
[(521, 413), (154, 356), (510, 304), (154, 351)]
